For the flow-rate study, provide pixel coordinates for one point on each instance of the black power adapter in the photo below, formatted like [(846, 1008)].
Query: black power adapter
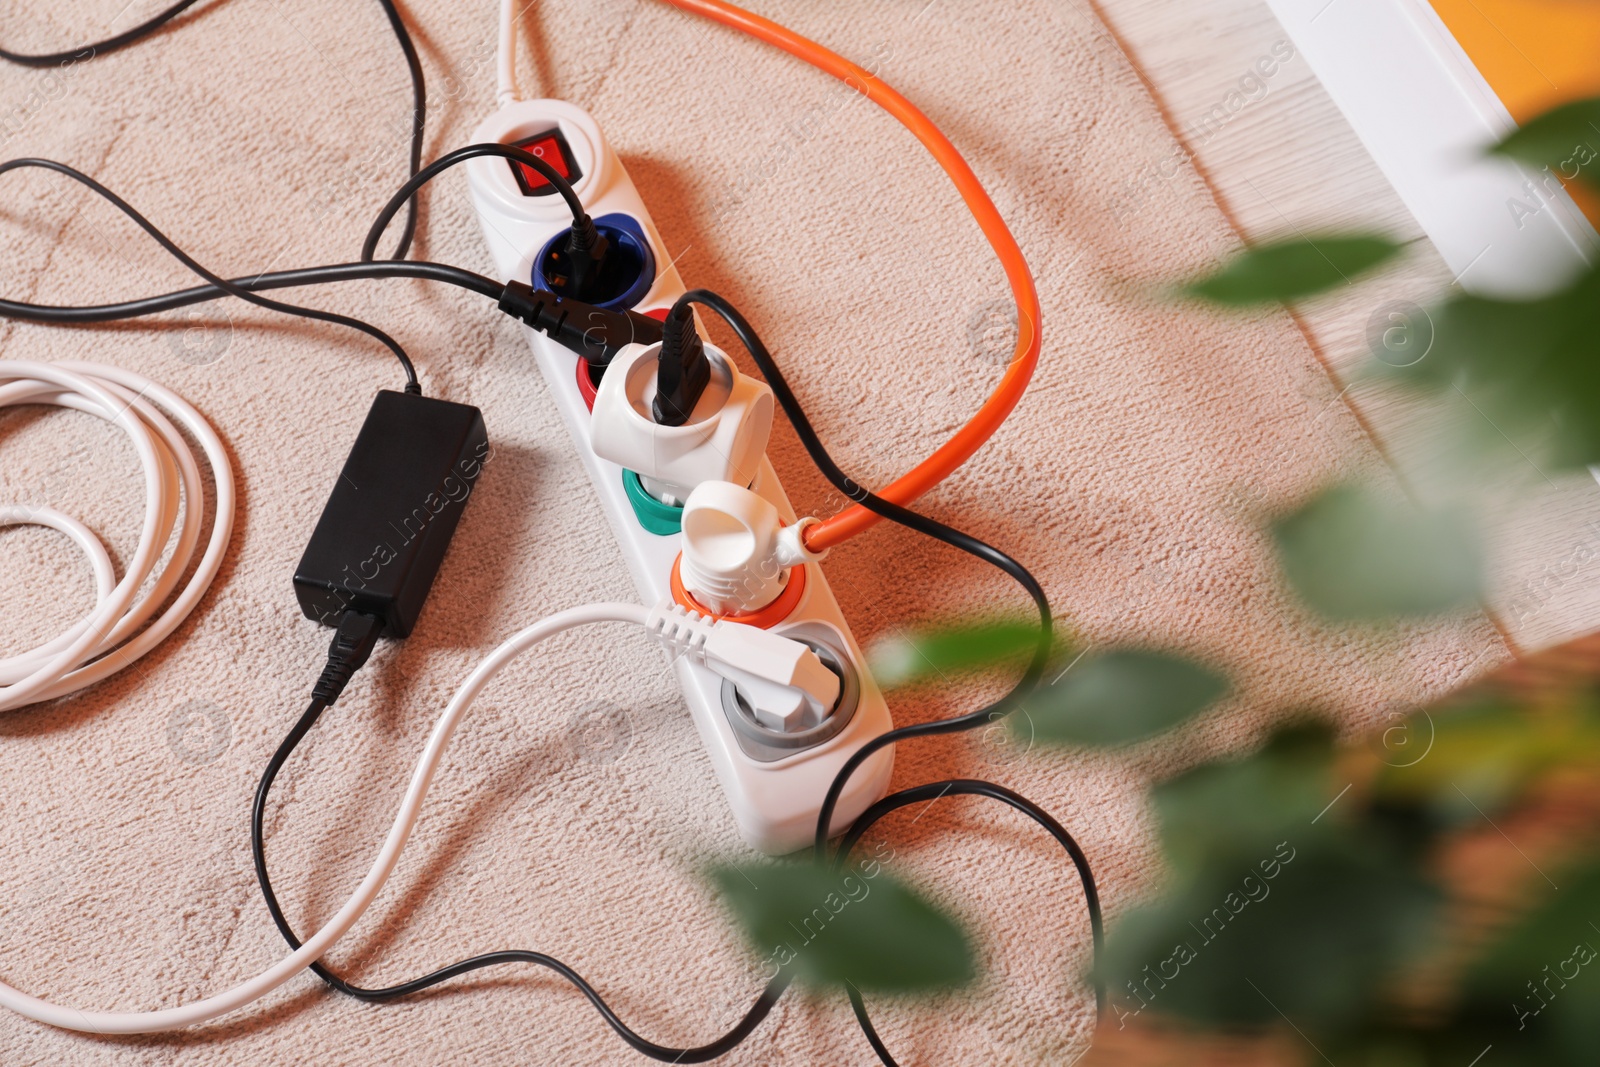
[(383, 534)]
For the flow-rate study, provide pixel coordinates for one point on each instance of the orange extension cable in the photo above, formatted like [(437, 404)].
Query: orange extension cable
[(956, 451)]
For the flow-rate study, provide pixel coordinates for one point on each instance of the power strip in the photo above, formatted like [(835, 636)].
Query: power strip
[(774, 783)]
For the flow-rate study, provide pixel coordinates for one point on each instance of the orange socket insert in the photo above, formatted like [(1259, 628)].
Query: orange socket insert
[(765, 619)]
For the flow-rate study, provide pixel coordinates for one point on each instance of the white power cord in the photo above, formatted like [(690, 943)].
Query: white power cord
[(123, 624), (506, 58), (761, 654)]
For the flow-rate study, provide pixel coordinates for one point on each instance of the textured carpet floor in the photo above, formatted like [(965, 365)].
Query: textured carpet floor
[(576, 807)]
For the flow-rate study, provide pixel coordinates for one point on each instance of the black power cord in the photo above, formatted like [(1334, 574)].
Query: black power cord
[(110, 44), (977, 788), (94, 314), (586, 245), (419, 117), (218, 282), (596, 334), (419, 90), (459, 156), (667, 1054), (353, 642)]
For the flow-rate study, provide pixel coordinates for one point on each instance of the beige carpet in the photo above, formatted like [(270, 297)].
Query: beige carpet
[(576, 808)]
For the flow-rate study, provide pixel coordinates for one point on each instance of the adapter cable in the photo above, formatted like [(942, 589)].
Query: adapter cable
[(353, 641), (419, 91)]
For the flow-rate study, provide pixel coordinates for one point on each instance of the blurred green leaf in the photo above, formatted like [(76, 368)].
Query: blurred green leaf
[(1310, 930), (955, 648), (1121, 696), (1541, 975), (1352, 554), (1231, 810), (1557, 920), (1275, 883), (1530, 369), (830, 928), (1292, 269), (1562, 139)]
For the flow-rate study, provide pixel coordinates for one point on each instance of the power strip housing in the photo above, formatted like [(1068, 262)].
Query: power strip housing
[(774, 791)]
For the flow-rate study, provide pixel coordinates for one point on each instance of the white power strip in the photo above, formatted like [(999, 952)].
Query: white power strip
[(775, 792)]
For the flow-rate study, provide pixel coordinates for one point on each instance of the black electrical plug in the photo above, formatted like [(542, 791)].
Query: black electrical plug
[(682, 369), (586, 258), (353, 643), (594, 333)]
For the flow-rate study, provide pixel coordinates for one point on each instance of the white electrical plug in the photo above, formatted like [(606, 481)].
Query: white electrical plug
[(723, 440), (736, 550)]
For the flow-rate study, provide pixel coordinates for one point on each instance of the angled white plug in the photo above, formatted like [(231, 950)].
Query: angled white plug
[(787, 709), (736, 550), (785, 682)]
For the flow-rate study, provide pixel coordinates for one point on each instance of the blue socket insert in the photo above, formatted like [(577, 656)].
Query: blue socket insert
[(629, 271)]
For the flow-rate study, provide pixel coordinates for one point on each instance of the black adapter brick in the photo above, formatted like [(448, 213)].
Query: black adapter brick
[(383, 534)]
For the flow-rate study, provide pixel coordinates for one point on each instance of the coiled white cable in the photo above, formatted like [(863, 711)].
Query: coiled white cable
[(421, 779), (123, 625)]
